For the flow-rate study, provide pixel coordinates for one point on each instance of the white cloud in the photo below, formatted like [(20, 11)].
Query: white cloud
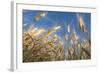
[(25, 24)]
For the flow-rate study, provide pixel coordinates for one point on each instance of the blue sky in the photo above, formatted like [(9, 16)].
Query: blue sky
[(57, 19)]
